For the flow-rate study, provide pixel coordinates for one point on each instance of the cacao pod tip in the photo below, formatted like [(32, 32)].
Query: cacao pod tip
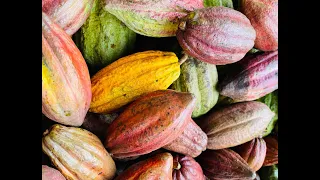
[(176, 165), (46, 132), (182, 25)]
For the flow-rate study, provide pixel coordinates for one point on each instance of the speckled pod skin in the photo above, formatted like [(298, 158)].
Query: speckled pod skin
[(68, 14), (158, 167), (192, 142), (49, 173), (216, 35), (186, 168), (236, 124), (258, 76), (263, 15), (156, 18), (66, 86), (225, 164), (78, 154), (150, 122)]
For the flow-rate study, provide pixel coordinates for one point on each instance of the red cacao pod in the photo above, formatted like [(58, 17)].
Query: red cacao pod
[(253, 152), (70, 15), (150, 122), (258, 76), (66, 85), (185, 168), (272, 151), (49, 173), (225, 164), (154, 168), (216, 35), (263, 16), (192, 141)]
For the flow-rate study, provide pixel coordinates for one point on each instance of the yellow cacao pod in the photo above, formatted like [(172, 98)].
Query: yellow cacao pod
[(131, 76)]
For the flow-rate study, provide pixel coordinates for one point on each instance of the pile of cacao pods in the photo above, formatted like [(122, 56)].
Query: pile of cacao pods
[(160, 89)]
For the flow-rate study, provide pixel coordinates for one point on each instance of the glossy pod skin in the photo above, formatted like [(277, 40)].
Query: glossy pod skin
[(66, 86)]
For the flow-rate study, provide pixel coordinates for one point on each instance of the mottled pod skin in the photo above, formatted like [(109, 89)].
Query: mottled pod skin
[(158, 167), (192, 141), (216, 35), (152, 121), (68, 14), (49, 173), (201, 79), (212, 3), (263, 15), (186, 168), (66, 86), (156, 18), (236, 124), (272, 151), (225, 164), (257, 77), (78, 154), (131, 76), (253, 152)]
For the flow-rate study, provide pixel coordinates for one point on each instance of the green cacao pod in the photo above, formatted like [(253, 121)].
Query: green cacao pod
[(269, 173), (211, 3), (199, 78), (104, 38)]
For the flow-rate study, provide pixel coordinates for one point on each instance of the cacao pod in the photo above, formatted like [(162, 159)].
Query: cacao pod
[(98, 123), (129, 77), (257, 177), (258, 76), (212, 3), (185, 167), (150, 122), (49, 173), (156, 167), (272, 151), (192, 141), (66, 86), (253, 152), (216, 35), (263, 16), (77, 153), (103, 38), (236, 124), (156, 18), (68, 14), (200, 79), (269, 173), (225, 164)]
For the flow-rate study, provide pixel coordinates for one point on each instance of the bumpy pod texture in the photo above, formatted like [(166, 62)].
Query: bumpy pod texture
[(129, 77), (263, 15), (185, 168), (258, 76), (78, 153), (156, 18), (201, 79), (236, 124), (216, 35), (158, 167), (68, 14), (66, 86), (152, 121)]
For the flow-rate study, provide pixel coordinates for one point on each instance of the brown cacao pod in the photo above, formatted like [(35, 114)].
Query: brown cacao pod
[(77, 153), (225, 164), (49, 173), (152, 121), (253, 152), (263, 16), (70, 15), (154, 168), (66, 85), (258, 76), (192, 141), (216, 35), (185, 168), (236, 124), (272, 151), (156, 18)]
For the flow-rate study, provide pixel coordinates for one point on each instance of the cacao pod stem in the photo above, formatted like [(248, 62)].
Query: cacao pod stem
[(183, 59)]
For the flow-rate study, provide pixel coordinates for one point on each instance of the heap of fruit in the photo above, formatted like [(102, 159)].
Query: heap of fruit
[(160, 89)]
